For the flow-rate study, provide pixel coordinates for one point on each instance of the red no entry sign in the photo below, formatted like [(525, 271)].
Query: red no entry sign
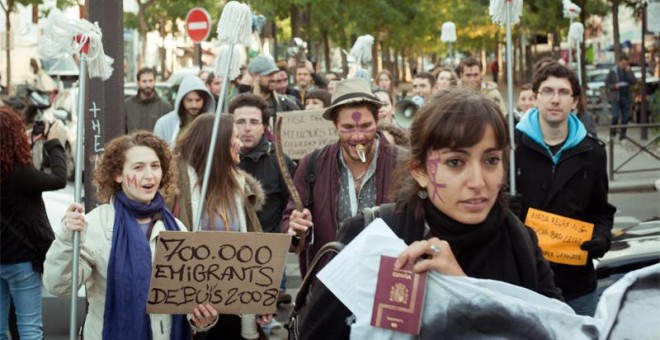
[(198, 24)]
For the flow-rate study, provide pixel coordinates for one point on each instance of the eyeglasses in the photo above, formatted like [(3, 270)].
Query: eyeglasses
[(548, 93), (251, 122)]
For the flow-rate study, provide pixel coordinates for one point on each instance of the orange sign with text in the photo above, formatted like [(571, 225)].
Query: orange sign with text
[(560, 237)]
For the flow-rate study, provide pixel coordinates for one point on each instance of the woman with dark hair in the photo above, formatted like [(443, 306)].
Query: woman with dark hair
[(231, 202), (450, 208), (26, 233), (118, 239)]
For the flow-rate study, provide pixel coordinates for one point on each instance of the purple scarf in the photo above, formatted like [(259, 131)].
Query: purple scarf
[(129, 273)]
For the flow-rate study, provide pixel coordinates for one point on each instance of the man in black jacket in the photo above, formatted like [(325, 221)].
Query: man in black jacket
[(560, 169), (258, 159)]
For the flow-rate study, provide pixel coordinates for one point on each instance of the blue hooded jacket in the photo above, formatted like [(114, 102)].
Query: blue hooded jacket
[(530, 126)]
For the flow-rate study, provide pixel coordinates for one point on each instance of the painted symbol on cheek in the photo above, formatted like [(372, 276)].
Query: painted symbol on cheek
[(432, 164), (132, 180)]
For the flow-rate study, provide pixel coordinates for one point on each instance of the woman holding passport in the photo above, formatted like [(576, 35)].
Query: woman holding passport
[(117, 242), (450, 208)]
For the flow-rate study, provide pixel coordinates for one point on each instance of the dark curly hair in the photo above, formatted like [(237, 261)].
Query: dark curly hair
[(14, 146), (111, 163)]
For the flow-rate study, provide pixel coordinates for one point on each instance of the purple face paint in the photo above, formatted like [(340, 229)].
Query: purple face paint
[(357, 116), (132, 180), (432, 163)]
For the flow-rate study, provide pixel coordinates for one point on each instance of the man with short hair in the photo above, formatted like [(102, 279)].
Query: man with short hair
[(304, 80), (469, 71), (280, 84), (618, 83), (214, 85), (354, 173), (423, 84), (262, 69), (143, 110), (259, 160), (560, 169), (192, 99)]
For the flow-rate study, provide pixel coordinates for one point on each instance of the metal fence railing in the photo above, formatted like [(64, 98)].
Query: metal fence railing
[(641, 147)]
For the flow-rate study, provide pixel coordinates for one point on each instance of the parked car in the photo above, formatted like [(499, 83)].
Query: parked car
[(595, 82), (164, 89), (632, 248)]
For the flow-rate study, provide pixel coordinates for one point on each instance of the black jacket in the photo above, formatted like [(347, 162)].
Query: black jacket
[(26, 233), (576, 187), (327, 316), (261, 163)]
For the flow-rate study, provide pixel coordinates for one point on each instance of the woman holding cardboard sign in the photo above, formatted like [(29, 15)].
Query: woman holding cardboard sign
[(118, 241), (231, 202), (450, 208)]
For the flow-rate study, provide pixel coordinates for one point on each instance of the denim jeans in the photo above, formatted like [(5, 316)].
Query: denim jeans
[(585, 304), (620, 108), (24, 285)]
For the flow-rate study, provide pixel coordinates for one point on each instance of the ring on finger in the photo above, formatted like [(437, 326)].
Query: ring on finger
[(434, 249)]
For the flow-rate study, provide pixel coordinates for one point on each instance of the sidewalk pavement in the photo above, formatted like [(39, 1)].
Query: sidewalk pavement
[(623, 151)]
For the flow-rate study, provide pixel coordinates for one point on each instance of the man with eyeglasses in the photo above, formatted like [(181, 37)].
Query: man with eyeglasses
[(258, 159), (560, 169)]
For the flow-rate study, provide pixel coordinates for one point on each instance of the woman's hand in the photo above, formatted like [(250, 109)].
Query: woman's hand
[(74, 218), (55, 130), (300, 222), (264, 319), (204, 316), (430, 254)]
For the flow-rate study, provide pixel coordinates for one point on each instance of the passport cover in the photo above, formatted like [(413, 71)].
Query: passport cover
[(399, 297)]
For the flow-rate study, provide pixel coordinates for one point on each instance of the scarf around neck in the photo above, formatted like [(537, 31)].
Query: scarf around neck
[(129, 272), (493, 249)]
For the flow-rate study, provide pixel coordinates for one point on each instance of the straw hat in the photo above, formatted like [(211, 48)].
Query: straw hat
[(348, 91)]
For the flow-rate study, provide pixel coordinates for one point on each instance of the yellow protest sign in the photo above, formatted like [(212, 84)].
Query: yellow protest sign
[(560, 237), (235, 272)]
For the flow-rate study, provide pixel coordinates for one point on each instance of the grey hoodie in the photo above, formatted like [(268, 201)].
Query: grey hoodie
[(167, 127)]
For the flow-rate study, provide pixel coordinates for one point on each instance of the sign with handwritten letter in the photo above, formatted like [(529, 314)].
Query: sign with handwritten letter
[(306, 131), (560, 237), (235, 272)]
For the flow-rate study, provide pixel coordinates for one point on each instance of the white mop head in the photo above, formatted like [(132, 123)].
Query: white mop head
[(571, 10), (497, 11), (59, 41), (448, 32), (575, 33), (223, 58), (235, 25), (361, 50)]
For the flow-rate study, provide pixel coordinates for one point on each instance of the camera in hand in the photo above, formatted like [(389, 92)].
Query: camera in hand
[(39, 127)]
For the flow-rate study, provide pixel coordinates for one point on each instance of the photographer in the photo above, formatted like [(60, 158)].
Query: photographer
[(26, 233)]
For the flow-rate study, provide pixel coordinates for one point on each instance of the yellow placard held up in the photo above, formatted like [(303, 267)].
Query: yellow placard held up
[(560, 237)]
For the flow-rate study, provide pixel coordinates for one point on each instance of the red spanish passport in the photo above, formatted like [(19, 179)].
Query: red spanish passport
[(399, 297)]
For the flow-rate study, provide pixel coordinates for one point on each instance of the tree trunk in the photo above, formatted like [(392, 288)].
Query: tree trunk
[(615, 30), (326, 50), (142, 21), (295, 21), (344, 62)]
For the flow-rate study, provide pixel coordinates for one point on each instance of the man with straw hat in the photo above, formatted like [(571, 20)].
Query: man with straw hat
[(349, 175)]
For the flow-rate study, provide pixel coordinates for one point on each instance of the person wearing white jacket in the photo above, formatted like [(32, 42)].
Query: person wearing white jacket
[(118, 240)]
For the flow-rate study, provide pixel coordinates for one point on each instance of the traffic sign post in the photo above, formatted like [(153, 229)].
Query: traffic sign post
[(198, 28)]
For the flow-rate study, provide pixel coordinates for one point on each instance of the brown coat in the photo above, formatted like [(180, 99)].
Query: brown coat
[(182, 208)]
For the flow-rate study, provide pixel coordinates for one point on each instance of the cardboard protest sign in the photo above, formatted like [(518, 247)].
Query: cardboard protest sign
[(560, 237), (305, 131), (235, 272)]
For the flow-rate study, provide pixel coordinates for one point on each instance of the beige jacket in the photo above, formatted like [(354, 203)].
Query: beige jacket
[(489, 90), (95, 243)]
